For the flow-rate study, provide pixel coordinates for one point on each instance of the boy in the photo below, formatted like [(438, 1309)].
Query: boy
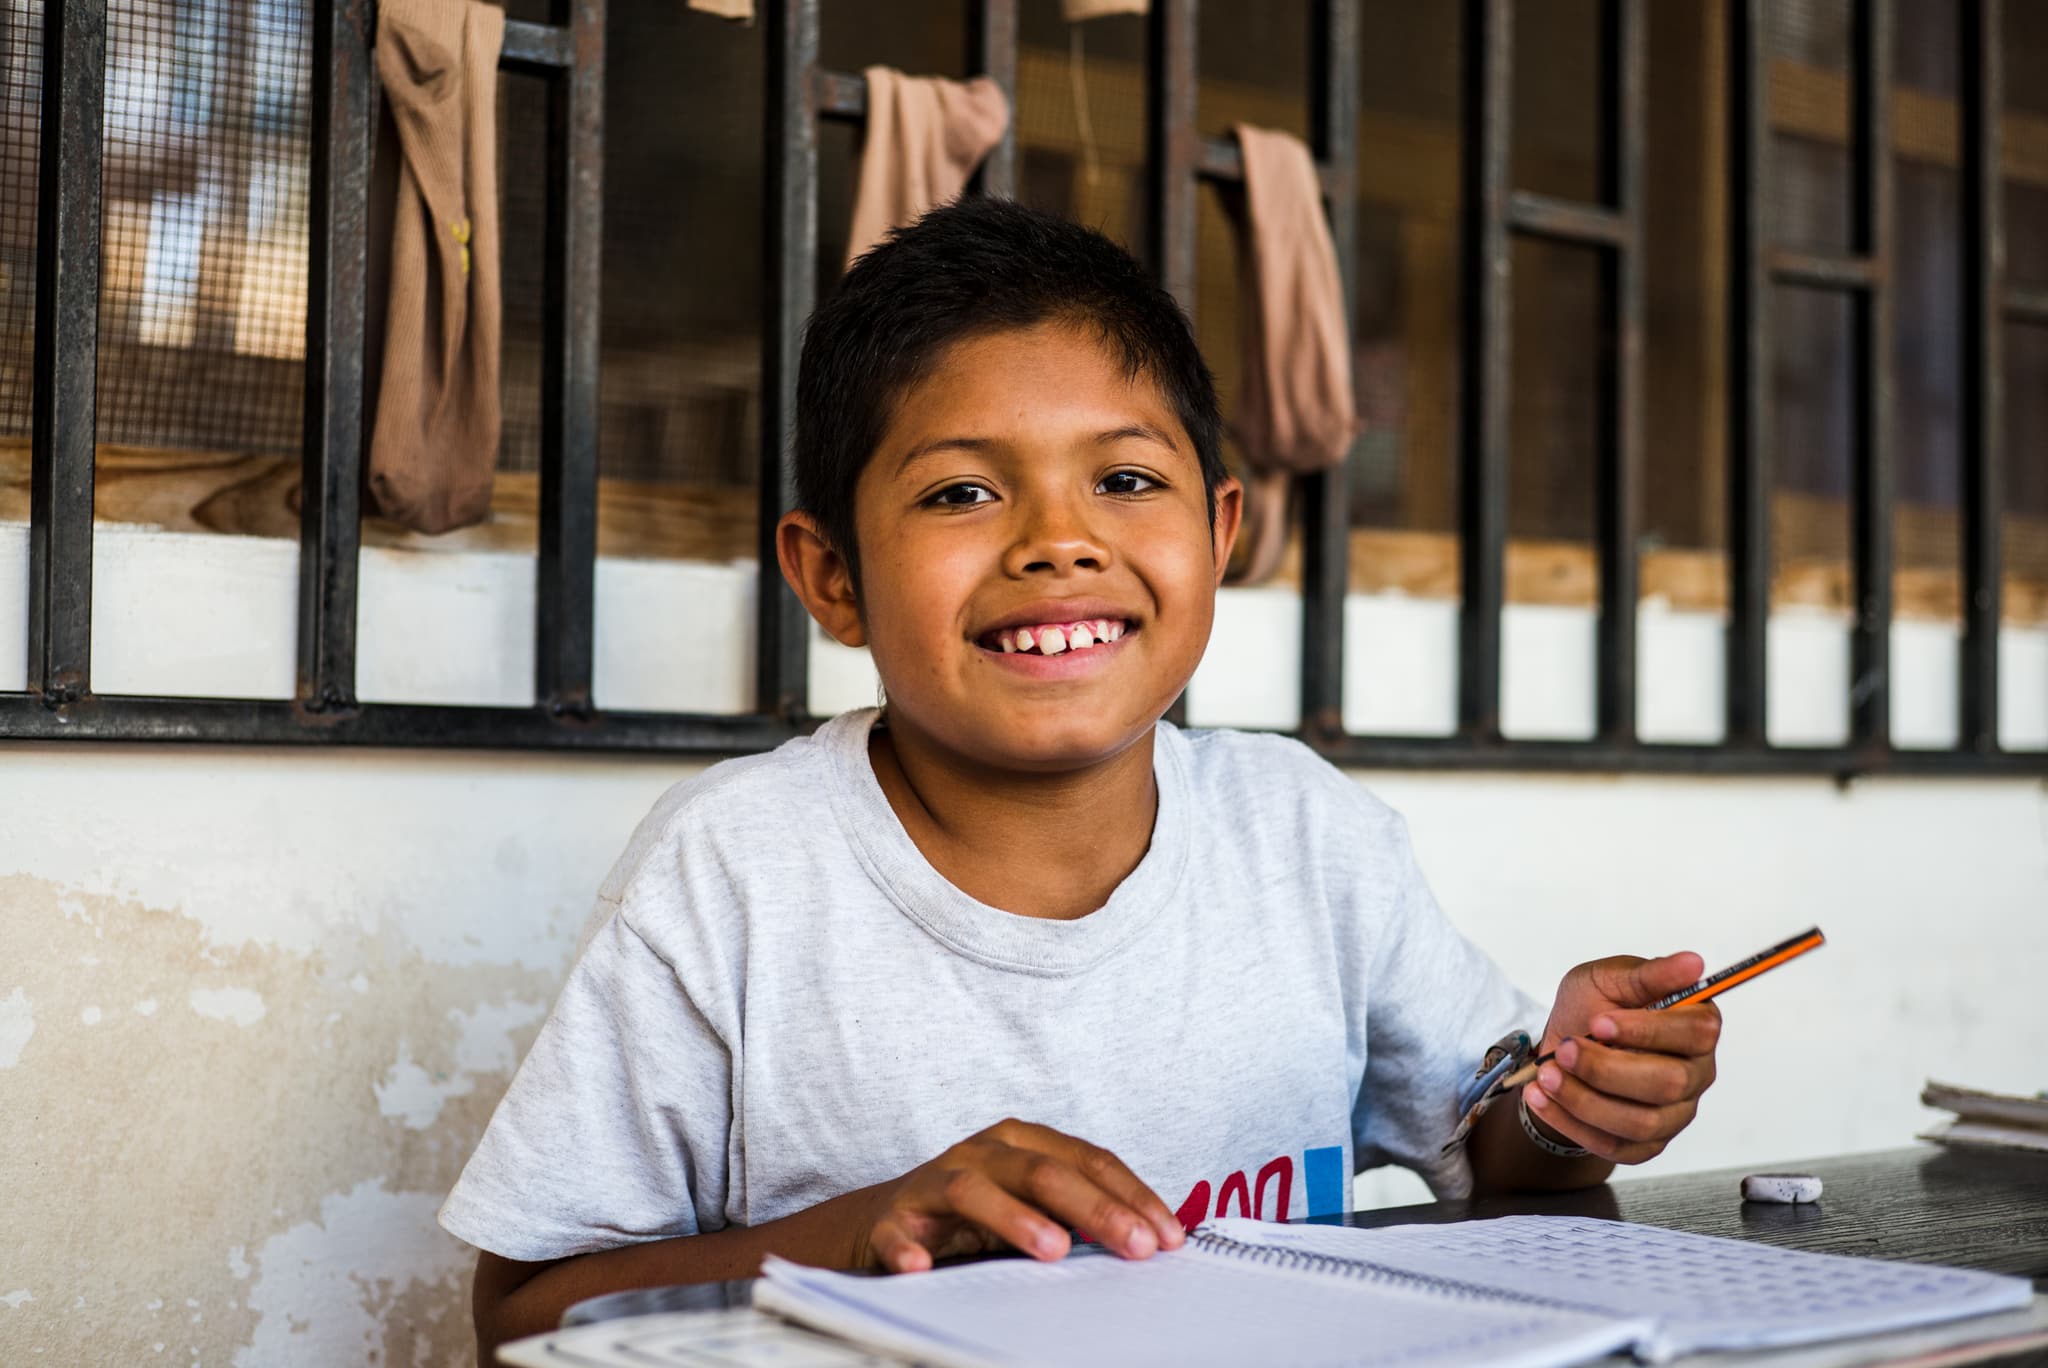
[(1201, 969)]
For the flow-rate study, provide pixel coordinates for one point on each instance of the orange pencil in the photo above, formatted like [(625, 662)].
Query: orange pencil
[(1743, 970), (1739, 972)]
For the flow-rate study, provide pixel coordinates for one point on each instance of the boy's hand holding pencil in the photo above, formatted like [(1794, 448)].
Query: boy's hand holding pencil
[(1624, 1078)]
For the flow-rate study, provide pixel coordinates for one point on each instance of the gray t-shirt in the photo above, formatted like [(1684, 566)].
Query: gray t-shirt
[(784, 1001)]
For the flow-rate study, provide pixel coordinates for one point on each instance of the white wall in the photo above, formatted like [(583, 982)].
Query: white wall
[(255, 1006)]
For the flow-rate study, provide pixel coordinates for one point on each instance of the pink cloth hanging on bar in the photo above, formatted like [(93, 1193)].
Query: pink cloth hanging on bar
[(923, 138), (1296, 413)]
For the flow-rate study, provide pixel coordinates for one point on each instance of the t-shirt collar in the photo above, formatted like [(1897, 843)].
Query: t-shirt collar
[(1006, 940)]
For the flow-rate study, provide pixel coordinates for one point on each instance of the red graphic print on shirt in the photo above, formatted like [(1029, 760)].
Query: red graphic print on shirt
[(1248, 1197)]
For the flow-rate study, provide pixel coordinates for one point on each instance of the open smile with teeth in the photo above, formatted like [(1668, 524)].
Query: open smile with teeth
[(1051, 638)]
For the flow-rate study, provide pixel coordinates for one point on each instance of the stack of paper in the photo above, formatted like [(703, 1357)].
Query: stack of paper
[(1999, 1120)]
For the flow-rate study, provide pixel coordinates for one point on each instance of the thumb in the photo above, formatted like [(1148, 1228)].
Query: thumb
[(1631, 982)]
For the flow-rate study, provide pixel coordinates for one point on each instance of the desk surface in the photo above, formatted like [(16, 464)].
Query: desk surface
[(1983, 1209)]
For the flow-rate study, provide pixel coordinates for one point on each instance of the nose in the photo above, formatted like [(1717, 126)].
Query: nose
[(1053, 537)]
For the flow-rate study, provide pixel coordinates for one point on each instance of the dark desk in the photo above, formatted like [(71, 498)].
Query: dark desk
[(1973, 1209)]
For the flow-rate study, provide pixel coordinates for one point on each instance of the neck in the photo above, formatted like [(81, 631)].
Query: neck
[(1039, 845)]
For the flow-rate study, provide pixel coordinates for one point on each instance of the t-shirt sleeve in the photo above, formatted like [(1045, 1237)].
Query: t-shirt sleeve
[(1435, 1002), (614, 1130)]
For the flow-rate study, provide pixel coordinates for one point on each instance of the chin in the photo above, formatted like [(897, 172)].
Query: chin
[(1052, 745)]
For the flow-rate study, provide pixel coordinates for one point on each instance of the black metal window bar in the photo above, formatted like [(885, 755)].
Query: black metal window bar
[(568, 53)]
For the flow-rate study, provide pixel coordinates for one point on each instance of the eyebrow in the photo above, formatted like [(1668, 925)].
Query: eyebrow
[(1140, 431)]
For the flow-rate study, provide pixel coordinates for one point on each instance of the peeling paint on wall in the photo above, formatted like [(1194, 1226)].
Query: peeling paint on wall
[(242, 1006), (487, 1044), (266, 935), (334, 1280), (227, 1182), (17, 1024)]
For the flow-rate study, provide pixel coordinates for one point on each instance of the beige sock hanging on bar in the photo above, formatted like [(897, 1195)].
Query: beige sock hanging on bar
[(923, 138), (1075, 10), (434, 443), (1296, 412)]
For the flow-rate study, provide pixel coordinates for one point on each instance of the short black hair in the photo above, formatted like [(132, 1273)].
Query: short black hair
[(976, 266)]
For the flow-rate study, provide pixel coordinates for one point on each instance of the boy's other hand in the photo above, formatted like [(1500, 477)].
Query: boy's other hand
[(1013, 1184), (1626, 1079)]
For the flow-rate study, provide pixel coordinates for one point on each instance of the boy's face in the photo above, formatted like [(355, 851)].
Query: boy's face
[(1028, 484)]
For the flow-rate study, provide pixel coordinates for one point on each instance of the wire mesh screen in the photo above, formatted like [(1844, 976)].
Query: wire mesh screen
[(522, 238), (21, 63), (204, 232), (203, 238)]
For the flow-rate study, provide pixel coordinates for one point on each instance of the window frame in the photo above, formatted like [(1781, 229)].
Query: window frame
[(568, 54)]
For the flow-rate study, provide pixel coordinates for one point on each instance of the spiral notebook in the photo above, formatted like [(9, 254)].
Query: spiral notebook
[(1525, 1291)]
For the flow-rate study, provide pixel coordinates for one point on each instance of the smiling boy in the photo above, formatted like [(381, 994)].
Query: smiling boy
[(1200, 971)]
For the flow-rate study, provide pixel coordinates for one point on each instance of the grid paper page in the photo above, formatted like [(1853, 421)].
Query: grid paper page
[(1189, 1307), (1701, 1291)]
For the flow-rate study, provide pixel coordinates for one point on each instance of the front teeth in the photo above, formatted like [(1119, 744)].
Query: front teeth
[(1076, 636)]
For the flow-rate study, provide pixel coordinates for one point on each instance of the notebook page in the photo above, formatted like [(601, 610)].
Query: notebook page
[(1187, 1307), (1700, 1291)]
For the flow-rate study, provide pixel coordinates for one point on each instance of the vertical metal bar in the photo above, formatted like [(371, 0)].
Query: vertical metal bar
[(565, 603), (1983, 378), (1173, 150), (1326, 505), (67, 348), (992, 39), (1484, 346), (1622, 34), (1173, 146), (1749, 374), (330, 482), (1872, 475), (781, 682)]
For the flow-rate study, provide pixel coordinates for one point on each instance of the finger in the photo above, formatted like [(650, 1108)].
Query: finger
[(1635, 982), (896, 1249), (1115, 1177), (1592, 1139), (1057, 1188), (974, 1196), (1110, 1174), (1620, 1117), (1689, 1030), (1657, 1080)]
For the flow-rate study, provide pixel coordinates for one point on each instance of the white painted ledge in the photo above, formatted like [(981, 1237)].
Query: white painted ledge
[(213, 616)]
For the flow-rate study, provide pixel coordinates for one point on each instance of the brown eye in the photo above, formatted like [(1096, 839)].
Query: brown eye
[(961, 496), (1126, 482)]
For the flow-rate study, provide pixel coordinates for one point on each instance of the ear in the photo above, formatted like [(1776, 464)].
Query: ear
[(820, 577), (1229, 514)]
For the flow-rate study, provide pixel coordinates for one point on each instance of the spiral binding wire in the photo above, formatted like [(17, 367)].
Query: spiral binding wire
[(1364, 1270)]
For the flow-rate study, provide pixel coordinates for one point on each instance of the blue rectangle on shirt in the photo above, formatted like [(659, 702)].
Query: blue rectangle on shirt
[(1322, 1172)]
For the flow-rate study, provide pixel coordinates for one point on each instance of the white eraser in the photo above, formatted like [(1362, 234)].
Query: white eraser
[(1781, 1187)]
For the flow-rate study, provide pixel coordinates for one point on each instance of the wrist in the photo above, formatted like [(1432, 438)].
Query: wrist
[(855, 1223), (1545, 1137)]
